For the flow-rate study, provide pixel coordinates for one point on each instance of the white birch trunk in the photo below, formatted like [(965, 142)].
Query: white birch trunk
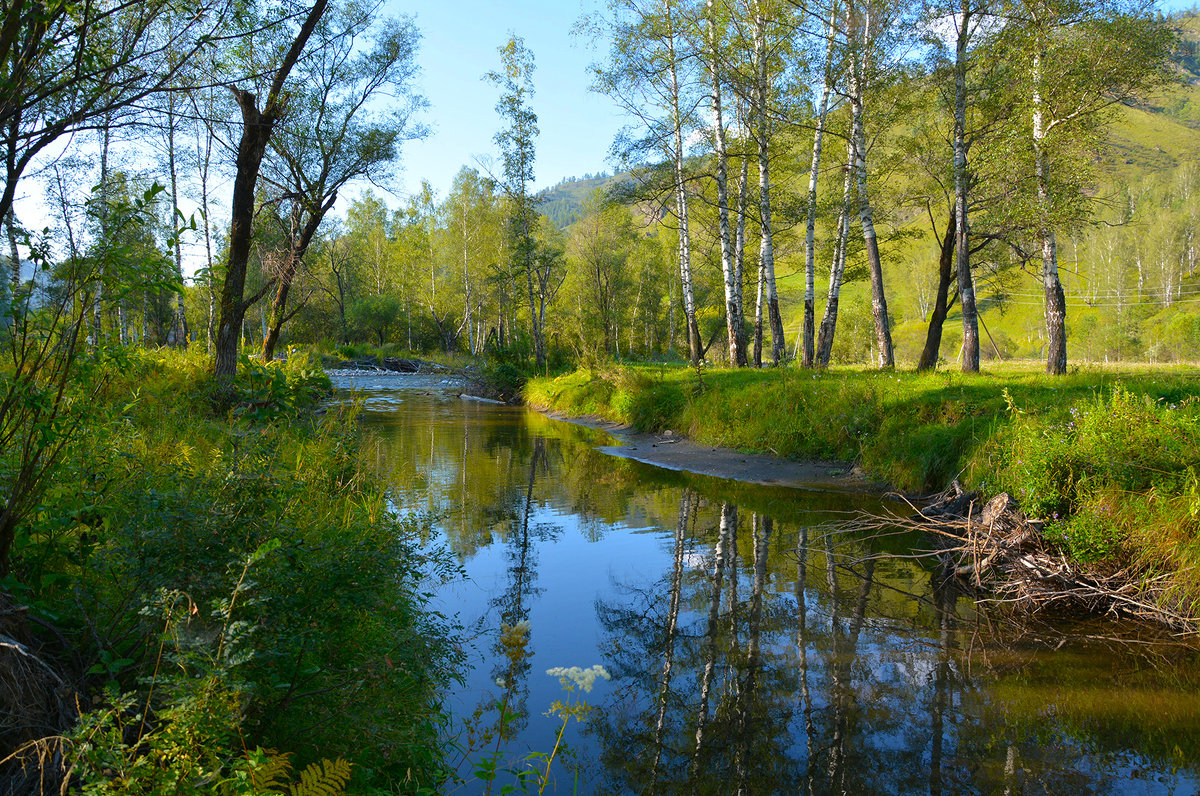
[(807, 332), (883, 334), (966, 286), (1056, 311), (767, 240), (681, 199), (733, 320)]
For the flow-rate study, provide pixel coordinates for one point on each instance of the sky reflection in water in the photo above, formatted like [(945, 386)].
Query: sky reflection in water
[(753, 649)]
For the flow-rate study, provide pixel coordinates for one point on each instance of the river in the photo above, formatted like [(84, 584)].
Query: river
[(751, 646)]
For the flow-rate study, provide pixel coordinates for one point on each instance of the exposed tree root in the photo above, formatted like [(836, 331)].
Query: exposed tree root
[(36, 704)]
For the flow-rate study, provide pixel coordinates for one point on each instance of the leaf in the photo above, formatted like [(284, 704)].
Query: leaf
[(272, 771), (327, 778), (264, 550)]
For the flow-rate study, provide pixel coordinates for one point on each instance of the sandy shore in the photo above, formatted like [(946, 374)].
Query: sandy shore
[(674, 452)]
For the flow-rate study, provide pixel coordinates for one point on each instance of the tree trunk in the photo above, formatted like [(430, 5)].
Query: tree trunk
[(278, 315), (941, 306), (758, 312), (808, 357), (178, 335), (733, 319), (883, 332), (767, 240), (837, 268), (1056, 303), (256, 131), (739, 241), (10, 228), (204, 154), (98, 307), (681, 200), (966, 286), (297, 250)]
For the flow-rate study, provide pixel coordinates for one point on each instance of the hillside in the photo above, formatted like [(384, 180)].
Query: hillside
[(562, 203)]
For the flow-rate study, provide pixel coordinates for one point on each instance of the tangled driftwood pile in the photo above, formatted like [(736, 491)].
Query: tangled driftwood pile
[(992, 547)]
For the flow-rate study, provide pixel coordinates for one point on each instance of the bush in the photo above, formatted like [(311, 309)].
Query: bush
[(163, 510)]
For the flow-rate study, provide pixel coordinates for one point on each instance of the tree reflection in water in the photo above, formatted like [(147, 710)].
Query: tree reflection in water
[(512, 606), (822, 678), (753, 649)]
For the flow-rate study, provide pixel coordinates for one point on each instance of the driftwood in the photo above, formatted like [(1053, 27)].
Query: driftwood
[(994, 549)]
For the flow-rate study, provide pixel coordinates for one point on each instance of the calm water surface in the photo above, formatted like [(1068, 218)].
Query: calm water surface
[(751, 648)]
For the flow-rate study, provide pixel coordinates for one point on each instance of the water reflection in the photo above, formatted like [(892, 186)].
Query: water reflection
[(753, 650)]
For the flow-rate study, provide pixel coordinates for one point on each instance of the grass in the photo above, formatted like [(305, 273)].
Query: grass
[(219, 560), (1108, 457)]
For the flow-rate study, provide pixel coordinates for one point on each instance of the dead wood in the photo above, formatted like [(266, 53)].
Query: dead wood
[(998, 552)]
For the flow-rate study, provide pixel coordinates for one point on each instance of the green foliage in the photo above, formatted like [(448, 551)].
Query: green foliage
[(1081, 473), (1109, 464), (291, 594), (375, 315)]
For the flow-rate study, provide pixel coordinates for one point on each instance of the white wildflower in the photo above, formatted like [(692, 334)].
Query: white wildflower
[(585, 679)]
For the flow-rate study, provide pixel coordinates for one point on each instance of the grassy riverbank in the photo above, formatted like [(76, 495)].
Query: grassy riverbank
[(212, 573), (1110, 460)]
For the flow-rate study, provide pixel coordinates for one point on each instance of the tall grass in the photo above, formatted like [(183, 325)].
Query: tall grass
[(1109, 460), (201, 534)]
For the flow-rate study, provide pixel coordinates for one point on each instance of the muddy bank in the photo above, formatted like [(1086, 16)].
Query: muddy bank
[(674, 452)]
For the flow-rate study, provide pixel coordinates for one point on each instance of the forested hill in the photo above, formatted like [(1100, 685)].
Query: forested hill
[(1162, 134), (562, 203)]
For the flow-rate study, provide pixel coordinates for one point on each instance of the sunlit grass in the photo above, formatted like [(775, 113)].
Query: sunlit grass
[(1108, 455)]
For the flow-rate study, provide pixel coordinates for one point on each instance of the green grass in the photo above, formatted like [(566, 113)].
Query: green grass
[(1109, 458), (218, 556)]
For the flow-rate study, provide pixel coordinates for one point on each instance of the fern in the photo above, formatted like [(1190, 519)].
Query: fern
[(273, 773), (327, 778)]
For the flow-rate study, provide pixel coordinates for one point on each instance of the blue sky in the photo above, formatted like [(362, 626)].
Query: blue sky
[(460, 41), (459, 45)]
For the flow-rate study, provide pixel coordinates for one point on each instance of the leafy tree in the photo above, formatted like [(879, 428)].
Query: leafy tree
[(1080, 59), (375, 315), (257, 125), (516, 142), (68, 68), (336, 132)]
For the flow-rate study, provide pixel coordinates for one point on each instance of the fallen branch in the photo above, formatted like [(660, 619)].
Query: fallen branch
[(1003, 556)]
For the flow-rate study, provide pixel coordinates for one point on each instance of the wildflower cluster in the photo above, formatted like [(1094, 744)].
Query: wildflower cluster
[(584, 679)]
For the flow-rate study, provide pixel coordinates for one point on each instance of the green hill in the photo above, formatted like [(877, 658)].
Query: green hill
[(562, 203)]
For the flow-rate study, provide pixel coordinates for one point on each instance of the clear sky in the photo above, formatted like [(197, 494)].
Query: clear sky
[(460, 41)]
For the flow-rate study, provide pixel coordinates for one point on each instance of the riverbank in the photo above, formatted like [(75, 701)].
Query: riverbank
[(213, 571), (673, 451), (1107, 461)]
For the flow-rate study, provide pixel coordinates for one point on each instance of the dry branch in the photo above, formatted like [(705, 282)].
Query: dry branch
[(1003, 556)]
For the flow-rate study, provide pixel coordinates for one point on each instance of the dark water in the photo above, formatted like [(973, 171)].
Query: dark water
[(752, 647)]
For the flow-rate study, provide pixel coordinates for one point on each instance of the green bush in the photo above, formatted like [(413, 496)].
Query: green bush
[(162, 496)]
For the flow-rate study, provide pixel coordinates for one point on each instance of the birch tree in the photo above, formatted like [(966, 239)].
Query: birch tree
[(714, 26), (516, 142), (807, 332), (648, 74), (769, 37), (1081, 59), (865, 24)]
